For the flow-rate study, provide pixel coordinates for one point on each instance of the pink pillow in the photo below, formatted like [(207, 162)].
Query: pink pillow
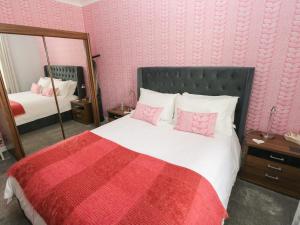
[(35, 88), (147, 113), (48, 91), (200, 123)]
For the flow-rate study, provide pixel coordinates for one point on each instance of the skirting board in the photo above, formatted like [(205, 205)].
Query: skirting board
[(2, 149), (296, 220)]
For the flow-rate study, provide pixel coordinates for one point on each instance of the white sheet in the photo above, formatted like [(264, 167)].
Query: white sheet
[(217, 159), (38, 106)]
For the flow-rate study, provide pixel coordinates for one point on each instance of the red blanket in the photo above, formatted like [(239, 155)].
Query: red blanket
[(16, 108), (87, 179)]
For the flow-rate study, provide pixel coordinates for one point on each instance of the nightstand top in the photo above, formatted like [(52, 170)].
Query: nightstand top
[(277, 144), (80, 102), (118, 111)]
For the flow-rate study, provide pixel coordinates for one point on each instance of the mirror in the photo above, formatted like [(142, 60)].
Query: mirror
[(42, 123), (68, 65), (30, 93), (7, 134)]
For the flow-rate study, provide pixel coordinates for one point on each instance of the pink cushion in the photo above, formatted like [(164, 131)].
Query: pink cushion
[(48, 91), (35, 88), (200, 123), (147, 113)]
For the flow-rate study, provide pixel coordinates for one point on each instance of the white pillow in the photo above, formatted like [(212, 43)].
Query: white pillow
[(224, 123), (157, 99), (44, 82), (72, 87), (230, 100), (63, 87)]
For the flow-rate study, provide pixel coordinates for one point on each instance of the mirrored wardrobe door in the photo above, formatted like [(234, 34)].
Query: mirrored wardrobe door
[(29, 91), (9, 140), (70, 72)]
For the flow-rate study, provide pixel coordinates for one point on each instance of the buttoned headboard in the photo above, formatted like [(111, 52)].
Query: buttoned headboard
[(233, 81), (74, 73)]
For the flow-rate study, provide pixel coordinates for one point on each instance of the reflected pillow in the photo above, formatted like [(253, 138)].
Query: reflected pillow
[(147, 113), (194, 122), (72, 87), (49, 91), (62, 86), (44, 82), (35, 88)]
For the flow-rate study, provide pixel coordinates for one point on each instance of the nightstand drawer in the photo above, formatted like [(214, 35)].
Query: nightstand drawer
[(77, 114), (274, 169), (271, 180), (82, 111), (274, 156), (271, 164)]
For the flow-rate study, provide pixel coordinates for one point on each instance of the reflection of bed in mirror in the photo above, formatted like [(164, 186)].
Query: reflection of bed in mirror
[(40, 111)]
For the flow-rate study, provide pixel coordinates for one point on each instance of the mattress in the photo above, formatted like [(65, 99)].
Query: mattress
[(38, 106), (217, 159)]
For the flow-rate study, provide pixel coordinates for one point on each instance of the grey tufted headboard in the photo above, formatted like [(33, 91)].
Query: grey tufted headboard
[(233, 81), (74, 73)]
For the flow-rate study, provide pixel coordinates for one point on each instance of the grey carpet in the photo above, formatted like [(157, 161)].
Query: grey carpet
[(46, 136), (253, 205), (248, 205)]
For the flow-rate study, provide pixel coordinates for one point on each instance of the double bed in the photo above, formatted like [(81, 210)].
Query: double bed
[(37, 106), (41, 111), (216, 159)]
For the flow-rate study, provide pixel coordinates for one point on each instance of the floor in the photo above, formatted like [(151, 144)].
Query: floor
[(249, 204), (38, 139)]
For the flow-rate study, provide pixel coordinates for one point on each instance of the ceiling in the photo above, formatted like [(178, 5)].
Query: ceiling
[(78, 2)]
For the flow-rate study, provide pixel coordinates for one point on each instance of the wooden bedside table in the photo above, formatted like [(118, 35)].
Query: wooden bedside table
[(117, 112), (82, 111), (272, 164)]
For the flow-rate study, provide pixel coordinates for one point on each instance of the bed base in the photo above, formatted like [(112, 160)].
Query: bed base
[(44, 122)]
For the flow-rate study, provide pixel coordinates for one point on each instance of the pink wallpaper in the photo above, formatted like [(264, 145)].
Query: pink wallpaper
[(264, 34), (49, 14), (64, 51), (133, 33), (42, 13)]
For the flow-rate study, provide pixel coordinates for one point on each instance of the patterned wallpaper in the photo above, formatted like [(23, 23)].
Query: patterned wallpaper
[(264, 34), (132, 33), (49, 14), (42, 13), (63, 51)]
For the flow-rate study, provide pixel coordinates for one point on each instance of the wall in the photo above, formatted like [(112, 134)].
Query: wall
[(263, 34), (42, 13), (47, 14), (27, 59), (64, 51)]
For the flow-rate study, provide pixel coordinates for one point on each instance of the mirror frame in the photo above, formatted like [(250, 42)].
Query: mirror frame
[(46, 32)]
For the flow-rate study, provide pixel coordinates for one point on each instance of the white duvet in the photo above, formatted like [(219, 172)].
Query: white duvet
[(217, 159), (38, 106)]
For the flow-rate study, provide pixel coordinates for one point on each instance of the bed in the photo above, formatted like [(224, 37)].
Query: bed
[(40, 111), (216, 159)]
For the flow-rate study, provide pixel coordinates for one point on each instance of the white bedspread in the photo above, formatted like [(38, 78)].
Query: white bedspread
[(38, 106), (217, 159)]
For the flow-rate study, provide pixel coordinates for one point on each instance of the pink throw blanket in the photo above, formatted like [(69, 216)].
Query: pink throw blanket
[(16, 108), (87, 180)]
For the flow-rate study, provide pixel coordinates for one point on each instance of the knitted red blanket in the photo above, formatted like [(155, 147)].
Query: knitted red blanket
[(87, 179), (16, 108)]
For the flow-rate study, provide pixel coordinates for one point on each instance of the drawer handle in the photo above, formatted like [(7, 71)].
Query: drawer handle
[(271, 177), (277, 158), (274, 167)]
